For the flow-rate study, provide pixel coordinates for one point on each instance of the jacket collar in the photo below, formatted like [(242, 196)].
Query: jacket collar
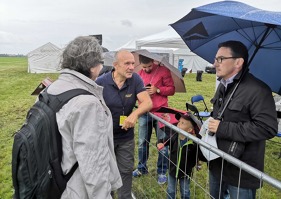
[(238, 76)]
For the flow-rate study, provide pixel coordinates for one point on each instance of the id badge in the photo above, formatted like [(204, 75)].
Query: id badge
[(122, 119)]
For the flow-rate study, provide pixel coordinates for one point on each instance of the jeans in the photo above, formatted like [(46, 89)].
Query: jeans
[(172, 187), (146, 125), (243, 193), (228, 191), (124, 153)]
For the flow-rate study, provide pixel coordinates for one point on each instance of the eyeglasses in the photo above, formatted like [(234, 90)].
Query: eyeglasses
[(220, 59)]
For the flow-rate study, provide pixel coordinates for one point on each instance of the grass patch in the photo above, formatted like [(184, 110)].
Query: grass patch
[(16, 85)]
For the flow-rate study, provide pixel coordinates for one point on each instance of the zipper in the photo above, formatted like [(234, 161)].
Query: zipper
[(179, 156), (42, 113), (233, 147), (22, 134), (45, 116)]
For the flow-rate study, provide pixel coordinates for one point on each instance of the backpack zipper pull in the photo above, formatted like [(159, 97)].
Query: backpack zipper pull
[(50, 173)]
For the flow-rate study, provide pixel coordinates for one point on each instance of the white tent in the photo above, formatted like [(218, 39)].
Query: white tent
[(130, 45), (165, 39), (45, 59), (169, 39), (191, 61)]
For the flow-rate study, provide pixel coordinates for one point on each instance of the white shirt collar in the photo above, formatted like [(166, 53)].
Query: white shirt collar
[(227, 81)]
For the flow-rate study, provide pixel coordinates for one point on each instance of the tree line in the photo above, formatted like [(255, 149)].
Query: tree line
[(12, 55)]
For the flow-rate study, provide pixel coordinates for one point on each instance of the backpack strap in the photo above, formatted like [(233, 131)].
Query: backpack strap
[(15, 155), (70, 173), (56, 102)]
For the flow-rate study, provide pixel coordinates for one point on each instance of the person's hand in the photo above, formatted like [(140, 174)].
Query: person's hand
[(213, 125), (199, 166), (130, 121), (166, 117), (160, 146), (151, 90)]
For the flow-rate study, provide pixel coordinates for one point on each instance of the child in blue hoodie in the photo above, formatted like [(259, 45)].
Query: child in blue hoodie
[(183, 155)]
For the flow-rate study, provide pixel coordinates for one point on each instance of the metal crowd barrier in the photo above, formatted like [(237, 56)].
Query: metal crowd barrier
[(243, 166)]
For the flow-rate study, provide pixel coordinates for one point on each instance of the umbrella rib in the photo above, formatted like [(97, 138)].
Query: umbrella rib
[(279, 37), (245, 35), (266, 32), (264, 46), (261, 41), (277, 41), (270, 28)]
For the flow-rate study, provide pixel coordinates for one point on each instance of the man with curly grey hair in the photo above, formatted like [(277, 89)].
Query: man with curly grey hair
[(85, 124)]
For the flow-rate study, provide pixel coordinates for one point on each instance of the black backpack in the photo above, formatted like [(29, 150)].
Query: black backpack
[(37, 150)]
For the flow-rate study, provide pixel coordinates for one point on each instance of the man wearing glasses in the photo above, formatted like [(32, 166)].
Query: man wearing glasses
[(249, 118)]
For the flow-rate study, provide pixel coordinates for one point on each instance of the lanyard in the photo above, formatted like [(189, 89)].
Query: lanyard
[(123, 98)]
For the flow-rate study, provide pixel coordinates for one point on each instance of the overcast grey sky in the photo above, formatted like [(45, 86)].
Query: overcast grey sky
[(27, 24)]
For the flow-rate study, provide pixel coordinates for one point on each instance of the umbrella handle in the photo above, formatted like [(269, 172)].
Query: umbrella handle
[(159, 148)]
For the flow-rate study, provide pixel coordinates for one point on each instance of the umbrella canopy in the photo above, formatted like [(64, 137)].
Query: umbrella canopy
[(169, 115), (206, 26), (174, 111), (176, 75)]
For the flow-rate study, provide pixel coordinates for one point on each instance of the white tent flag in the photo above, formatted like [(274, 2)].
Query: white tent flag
[(212, 140), (45, 59)]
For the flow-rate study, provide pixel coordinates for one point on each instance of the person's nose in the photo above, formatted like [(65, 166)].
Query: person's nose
[(215, 64), (131, 66)]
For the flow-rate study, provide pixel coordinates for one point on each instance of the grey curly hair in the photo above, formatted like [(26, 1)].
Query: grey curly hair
[(82, 54)]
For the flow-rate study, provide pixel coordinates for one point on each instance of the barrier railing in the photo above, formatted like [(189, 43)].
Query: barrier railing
[(226, 157)]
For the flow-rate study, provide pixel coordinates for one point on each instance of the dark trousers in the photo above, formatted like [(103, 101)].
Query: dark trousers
[(125, 160), (223, 190)]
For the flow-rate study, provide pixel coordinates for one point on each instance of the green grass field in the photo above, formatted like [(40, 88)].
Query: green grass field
[(16, 85)]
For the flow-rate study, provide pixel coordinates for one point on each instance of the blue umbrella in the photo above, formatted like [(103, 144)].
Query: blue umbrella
[(206, 26)]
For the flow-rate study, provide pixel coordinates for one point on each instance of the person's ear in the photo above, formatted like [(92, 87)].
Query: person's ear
[(94, 72), (239, 63), (115, 63), (191, 131)]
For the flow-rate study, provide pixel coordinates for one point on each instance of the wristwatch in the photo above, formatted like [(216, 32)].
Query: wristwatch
[(158, 90)]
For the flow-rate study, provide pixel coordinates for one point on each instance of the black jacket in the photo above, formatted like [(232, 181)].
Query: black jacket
[(184, 156), (250, 118)]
